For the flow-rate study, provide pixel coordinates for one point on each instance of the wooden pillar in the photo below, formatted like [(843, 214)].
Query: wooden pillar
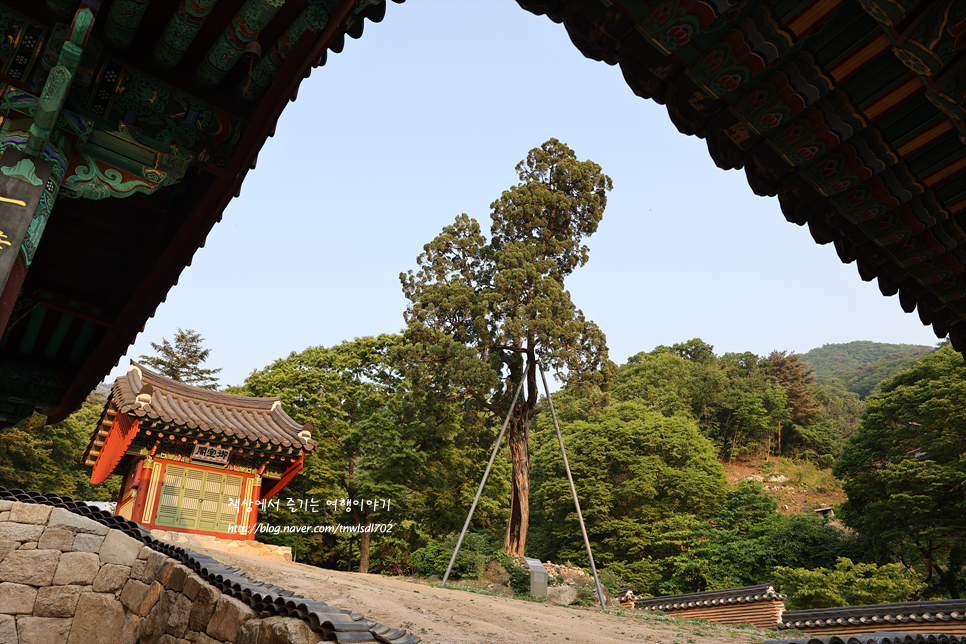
[(256, 496), (144, 489)]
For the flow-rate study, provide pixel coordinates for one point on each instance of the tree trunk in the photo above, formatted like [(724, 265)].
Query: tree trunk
[(364, 548), (515, 540)]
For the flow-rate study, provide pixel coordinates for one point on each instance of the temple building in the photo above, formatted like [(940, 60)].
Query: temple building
[(194, 460)]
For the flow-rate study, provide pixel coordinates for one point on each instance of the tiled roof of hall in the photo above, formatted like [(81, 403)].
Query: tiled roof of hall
[(145, 394), (889, 616), (878, 637), (761, 592)]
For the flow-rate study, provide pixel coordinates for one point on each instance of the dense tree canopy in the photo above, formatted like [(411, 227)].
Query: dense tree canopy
[(847, 584), (47, 458), (487, 310), (905, 475), (735, 401), (633, 468), (380, 436), (858, 367)]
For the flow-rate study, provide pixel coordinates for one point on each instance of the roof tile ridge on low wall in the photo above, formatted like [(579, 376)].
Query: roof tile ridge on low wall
[(878, 637), (725, 597), (258, 595), (884, 614)]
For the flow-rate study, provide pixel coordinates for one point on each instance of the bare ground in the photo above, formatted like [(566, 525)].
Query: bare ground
[(450, 616)]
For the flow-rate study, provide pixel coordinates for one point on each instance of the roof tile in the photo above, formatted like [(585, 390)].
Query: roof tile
[(257, 419)]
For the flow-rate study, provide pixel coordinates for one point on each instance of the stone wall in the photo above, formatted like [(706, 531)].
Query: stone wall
[(70, 579)]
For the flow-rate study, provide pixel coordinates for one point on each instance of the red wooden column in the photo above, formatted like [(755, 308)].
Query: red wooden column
[(144, 485), (254, 500)]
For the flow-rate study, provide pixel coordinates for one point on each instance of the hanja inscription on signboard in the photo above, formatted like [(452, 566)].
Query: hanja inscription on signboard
[(211, 454)]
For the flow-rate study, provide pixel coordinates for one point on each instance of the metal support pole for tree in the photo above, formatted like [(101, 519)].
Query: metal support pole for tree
[(573, 490), (479, 492)]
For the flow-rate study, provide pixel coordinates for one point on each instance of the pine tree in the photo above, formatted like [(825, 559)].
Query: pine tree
[(488, 309), (182, 361), (796, 379)]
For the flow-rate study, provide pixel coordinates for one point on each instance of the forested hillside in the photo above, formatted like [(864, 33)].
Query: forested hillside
[(646, 442), (858, 367)]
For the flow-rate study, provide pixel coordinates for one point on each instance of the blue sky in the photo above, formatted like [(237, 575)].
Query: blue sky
[(424, 118)]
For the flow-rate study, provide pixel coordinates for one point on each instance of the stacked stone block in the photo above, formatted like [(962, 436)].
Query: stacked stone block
[(68, 579)]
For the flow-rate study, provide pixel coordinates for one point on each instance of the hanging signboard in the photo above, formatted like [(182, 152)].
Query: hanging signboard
[(211, 454), (22, 181)]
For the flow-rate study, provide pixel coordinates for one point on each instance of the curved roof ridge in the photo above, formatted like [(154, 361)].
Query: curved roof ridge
[(760, 592), (145, 393), (945, 606), (198, 393)]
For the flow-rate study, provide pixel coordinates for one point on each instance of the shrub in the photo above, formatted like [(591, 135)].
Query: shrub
[(475, 551), (611, 581), (518, 570), (849, 584)]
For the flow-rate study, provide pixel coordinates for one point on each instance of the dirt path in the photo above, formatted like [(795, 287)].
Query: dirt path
[(449, 616)]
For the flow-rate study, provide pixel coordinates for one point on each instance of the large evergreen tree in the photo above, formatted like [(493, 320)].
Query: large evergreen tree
[(182, 360), (489, 309)]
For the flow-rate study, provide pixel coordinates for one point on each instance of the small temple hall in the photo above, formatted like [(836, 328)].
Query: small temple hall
[(194, 460)]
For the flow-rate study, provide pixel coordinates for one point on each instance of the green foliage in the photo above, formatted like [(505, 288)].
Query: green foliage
[(476, 550), (632, 468), (35, 457), (483, 311), (748, 406), (806, 541), (842, 414), (746, 506), (182, 360), (611, 581), (382, 433), (727, 550), (518, 571), (848, 584), (905, 475), (858, 367)]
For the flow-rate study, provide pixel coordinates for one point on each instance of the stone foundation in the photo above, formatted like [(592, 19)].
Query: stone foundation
[(66, 578)]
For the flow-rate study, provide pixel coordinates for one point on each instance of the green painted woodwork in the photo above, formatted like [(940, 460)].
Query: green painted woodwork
[(59, 81), (180, 32), (51, 100), (313, 19), (79, 350), (928, 46), (34, 322), (113, 164), (243, 29), (62, 10), (167, 117), (85, 67), (123, 21), (197, 499), (58, 336), (70, 131)]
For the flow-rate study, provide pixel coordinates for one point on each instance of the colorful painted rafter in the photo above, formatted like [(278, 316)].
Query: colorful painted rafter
[(850, 111)]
